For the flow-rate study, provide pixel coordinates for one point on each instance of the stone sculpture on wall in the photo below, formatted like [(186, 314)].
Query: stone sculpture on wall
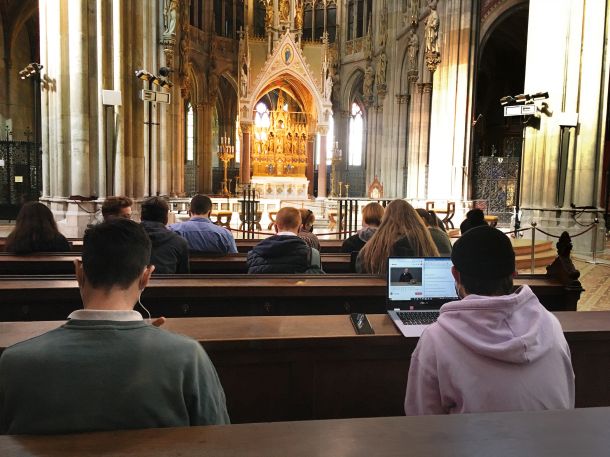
[(432, 25), (382, 63), (367, 85), (413, 48), (170, 13)]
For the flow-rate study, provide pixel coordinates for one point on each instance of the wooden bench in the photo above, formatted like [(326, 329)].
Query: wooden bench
[(326, 246), (63, 263), (579, 432), (279, 368), (54, 297)]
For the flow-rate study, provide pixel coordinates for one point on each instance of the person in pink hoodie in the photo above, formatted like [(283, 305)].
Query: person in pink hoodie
[(495, 349)]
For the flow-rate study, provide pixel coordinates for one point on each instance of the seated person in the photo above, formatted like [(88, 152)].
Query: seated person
[(284, 252), (306, 231), (401, 233), (405, 276), (371, 219), (474, 218), (170, 252), (201, 234), (107, 368), (36, 231), (437, 231), (114, 207), (494, 350)]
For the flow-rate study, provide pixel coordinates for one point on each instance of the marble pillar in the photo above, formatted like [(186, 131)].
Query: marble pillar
[(310, 162)]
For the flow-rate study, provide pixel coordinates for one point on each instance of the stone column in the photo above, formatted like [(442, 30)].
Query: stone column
[(424, 142), (310, 162), (323, 131), (451, 99), (414, 167), (574, 71), (244, 172), (78, 31), (206, 149), (44, 103)]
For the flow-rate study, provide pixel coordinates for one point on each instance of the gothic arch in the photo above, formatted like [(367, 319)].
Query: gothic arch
[(352, 88), (496, 15)]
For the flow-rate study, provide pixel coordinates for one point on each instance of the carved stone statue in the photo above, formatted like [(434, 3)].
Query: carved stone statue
[(382, 63), (383, 28), (170, 13), (243, 82), (328, 87), (431, 28), (413, 48), (367, 46), (367, 85)]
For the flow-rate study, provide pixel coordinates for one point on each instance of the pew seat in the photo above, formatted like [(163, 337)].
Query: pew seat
[(276, 368)]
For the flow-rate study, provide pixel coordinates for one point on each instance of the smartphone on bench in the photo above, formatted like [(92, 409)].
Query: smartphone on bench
[(361, 324)]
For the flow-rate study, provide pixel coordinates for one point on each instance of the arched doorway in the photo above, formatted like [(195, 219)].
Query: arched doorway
[(497, 140)]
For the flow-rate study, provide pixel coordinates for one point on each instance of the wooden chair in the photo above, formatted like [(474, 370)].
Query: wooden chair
[(257, 220), (272, 215), (223, 218)]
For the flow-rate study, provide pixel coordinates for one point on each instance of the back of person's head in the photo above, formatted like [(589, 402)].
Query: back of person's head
[(372, 214), (399, 221), (485, 259), (34, 223), (155, 209), (115, 253), (288, 219), (474, 218), (200, 204), (117, 206), (307, 218), (430, 218)]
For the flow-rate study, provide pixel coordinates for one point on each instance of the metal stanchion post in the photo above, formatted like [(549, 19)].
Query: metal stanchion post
[(595, 221), (533, 253)]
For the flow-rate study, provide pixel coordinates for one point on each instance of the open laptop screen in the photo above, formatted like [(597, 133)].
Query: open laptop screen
[(420, 279)]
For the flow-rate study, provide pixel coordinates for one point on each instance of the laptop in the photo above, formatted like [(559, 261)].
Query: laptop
[(417, 288)]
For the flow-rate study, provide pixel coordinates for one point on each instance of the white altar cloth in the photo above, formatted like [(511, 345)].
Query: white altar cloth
[(282, 187)]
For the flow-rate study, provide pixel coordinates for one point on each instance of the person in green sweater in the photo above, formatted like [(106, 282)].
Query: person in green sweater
[(107, 368)]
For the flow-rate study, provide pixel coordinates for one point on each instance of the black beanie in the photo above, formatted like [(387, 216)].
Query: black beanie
[(484, 252)]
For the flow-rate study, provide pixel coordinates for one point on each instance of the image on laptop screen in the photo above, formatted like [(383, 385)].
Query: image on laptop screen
[(424, 279)]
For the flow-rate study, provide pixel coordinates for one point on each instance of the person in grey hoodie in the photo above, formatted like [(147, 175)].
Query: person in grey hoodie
[(371, 220), (170, 253), (494, 350)]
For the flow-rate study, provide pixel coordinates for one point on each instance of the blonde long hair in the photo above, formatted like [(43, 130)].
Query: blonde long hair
[(399, 221)]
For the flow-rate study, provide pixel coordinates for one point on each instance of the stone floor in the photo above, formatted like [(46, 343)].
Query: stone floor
[(595, 278)]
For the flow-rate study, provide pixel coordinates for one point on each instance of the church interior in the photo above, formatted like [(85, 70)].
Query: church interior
[(323, 105)]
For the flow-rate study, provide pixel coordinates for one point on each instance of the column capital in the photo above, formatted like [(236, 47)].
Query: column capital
[(323, 129)]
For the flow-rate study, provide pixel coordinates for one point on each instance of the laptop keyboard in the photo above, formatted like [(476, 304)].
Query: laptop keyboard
[(418, 318)]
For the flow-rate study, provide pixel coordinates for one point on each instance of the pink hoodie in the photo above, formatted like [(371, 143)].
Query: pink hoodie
[(489, 354)]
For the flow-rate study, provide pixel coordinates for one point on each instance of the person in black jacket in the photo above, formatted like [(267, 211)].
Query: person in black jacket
[(36, 231), (371, 220), (169, 252), (285, 252)]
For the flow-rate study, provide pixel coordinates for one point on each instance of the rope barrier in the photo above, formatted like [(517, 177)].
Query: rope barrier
[(591, 227)]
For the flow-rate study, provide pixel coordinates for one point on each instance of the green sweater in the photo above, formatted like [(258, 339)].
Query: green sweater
[(107, 375)]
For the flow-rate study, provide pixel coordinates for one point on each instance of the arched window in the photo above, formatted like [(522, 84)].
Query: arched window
[(356, 135), (190, 133), (359, 14), (228, 17), (319, 17)]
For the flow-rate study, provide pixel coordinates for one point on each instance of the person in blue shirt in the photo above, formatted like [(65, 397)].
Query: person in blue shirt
[(201, 234)]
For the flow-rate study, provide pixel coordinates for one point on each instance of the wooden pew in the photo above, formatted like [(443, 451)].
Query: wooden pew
[(278, 368), (63, 263), (243, 246), (54, 297), (580, 432)]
